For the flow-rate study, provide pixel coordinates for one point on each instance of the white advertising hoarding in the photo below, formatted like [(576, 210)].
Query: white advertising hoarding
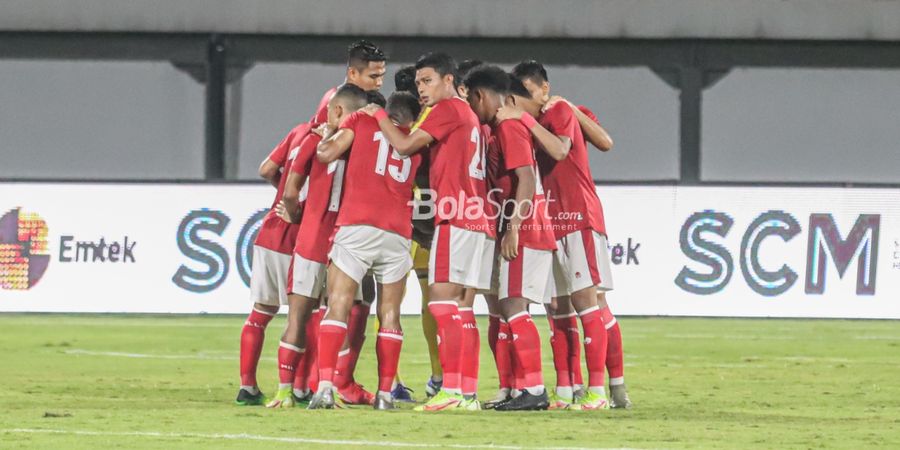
[(681, 251)]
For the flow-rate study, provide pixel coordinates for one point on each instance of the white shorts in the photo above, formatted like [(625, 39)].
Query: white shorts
[(361, 249), (456, 255), (488, 264), (527, 276), (268, 279), (307, 277), (582, 260)]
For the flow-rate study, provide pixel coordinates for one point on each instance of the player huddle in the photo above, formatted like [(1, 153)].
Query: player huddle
[(476, 178)]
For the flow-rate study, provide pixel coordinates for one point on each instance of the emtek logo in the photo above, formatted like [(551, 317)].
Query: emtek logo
[(24, 254), (824, 243)]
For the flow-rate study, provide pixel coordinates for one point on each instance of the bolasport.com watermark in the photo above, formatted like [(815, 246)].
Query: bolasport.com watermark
[(472, 209)]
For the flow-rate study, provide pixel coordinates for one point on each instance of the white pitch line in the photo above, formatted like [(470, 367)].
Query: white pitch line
[(199, 356), (290, 440)]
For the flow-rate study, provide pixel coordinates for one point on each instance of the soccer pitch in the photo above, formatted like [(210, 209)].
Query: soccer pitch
[(97, 381)]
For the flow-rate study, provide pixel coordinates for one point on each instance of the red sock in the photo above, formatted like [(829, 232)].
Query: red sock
[(527, 345), (594, 345), (306, 367), (574, 338), (288, 356), (615, 363), (331, 336), (449, 324), (252, 337), (387, 348), (356, 336), (559, 343), (471, 349), (498, 333)]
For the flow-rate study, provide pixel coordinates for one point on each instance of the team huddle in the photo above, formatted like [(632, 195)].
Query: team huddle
[(478, 180)]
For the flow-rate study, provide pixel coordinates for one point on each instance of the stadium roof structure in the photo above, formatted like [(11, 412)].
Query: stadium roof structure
[(872, 20)]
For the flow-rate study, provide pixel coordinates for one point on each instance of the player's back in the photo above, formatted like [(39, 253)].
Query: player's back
[(276, 234), (379, 183)]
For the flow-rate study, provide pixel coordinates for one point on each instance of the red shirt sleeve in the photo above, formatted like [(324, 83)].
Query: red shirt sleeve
[(588, 113), (279, 154), (303, 162), (322, 111), (440, 121), (561, 120), (515, 143)]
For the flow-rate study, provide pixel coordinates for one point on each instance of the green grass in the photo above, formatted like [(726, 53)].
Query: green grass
[(169, 381)]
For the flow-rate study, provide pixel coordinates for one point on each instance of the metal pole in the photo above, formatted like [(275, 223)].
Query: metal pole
[(215, 109)]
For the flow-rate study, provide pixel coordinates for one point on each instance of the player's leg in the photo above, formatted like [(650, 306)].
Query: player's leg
[(291, 349), (499, 341), (471, 350), (450, 270), (525, 279), (306, 376), (253, 336), (332, 333), (389, 341), (584, 249), (268, 290), (615, 364), (350, 391), (429, 326)]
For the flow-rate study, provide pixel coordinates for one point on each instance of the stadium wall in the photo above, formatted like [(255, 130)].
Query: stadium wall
[(676, 251)]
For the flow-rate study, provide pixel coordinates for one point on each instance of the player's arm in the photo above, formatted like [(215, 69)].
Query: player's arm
[(269, 171), (289, 207), (527, 181), (405, 144), (336, 145), (590, 127), (557, 147)]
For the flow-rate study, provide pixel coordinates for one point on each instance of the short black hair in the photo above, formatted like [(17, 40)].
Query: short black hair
[(402, 103), (352, 94), (375, 97), (362, 52), (491, 78), (531, 70), (405, 80), (463, 69), (517, 88), (442, 63)]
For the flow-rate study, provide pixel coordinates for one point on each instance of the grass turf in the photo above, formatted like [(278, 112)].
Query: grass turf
[(89, 381)]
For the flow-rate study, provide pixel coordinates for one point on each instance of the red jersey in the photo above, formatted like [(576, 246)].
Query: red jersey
[(379, 188), (321, 115), (573, 201), (457, 172), (491, 209), (510, 149), (322, 201), (589, 113), (275, 234)]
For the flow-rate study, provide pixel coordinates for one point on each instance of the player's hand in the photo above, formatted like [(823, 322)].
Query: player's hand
[(282, 212), (371, 109), (508, 112), (553, 101), (321, 130), (509, 246)]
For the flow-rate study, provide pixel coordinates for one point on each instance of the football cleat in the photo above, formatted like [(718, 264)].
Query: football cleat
[(303, 401), (433, 387), (383, 404), (557, 402), (283, 399), (469, 404), (354, 394), (526, 402), (502, 396), (402, 393), (324, 399), (245, 398), (593, 401), (441, 401), (619, 397)]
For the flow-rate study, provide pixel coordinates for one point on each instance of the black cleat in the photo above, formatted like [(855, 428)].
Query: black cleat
[(526, 402), (245, 398)]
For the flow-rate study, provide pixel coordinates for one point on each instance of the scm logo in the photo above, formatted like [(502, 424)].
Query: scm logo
[(824, 243), (210, 253)]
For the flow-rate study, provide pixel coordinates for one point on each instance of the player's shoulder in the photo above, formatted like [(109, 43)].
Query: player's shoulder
[(587, 111), (560, 109), (512, 128)]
